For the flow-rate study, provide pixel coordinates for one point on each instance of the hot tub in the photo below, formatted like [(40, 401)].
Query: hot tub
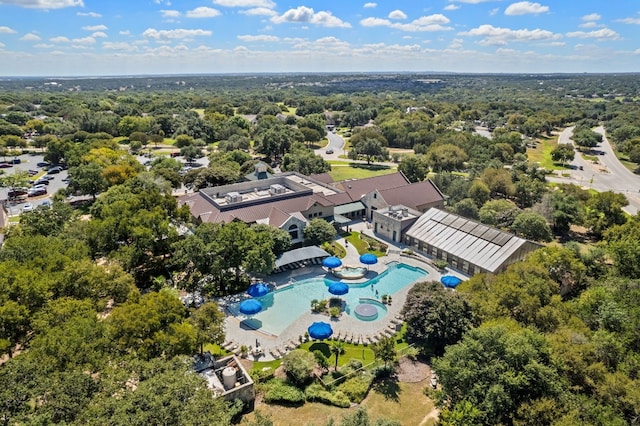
[(350, 272)]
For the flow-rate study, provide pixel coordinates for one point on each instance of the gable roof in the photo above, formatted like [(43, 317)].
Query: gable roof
[(479, 244), (415, 195), (358, 187)]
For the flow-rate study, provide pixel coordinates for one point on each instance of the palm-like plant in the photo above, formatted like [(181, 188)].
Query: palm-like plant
[(337, 348)]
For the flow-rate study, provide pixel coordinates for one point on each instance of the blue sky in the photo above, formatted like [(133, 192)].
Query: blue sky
[(118, 37)]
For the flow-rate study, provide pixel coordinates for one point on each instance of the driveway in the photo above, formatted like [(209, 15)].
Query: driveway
[(336, 144), (607, 174)]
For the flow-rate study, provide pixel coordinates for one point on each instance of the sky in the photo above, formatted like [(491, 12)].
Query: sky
[(133, 37)]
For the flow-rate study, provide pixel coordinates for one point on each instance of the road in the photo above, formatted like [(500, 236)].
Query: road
[(336, 144), (607, 174)]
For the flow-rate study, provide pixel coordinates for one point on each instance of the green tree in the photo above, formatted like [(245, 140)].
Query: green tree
[(532, 226), (208, 321), (446, 157), (88, 179), (563, 153), (413, 167), (385, 350), (436, 317), (370, 149), (337, 349), (299, 365), (318, 231), (14, 325), (603, 210)]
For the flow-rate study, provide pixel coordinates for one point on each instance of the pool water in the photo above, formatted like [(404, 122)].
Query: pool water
[(283, 307)]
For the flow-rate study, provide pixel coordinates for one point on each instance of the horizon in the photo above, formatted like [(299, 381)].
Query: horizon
[(93, 38)]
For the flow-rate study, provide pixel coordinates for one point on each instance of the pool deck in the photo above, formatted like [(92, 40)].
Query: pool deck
[(290, 337)]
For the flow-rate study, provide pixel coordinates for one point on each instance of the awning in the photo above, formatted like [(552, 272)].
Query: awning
[(338, 218), (348, 208), (299, 255)]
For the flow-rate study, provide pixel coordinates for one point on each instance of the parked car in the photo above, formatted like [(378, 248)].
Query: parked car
[(33, 172), (16, 192), (43, 164), (329, 151), (46, 204), (175, 154), (37, 190), (5, 165), (27, 207), (16, 161), (41, 181), (54, 170)]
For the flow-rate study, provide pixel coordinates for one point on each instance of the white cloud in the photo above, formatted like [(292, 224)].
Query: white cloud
[(125, 32), (170, 13), (125, 47), (174, 34), (397, 14), (202, 12), (59, 39), (95, 28), (89, 14), (370, 5), (245, 3), (589, 24), (591, 17), (451, 7), (602, 34), (425, 23), (634, 21), (43, 46), (303, 14), (525, 8), (84, 40), (251, 38), (456, 43), (501, 36), (44, 4), (258, 11), (2, 45), (7, 30), (30, 37), (99, 34)]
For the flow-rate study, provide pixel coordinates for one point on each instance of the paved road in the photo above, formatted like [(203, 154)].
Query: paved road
[(336, 144), (607, 174)]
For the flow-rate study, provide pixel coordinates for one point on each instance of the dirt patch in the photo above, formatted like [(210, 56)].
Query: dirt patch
[(412, 370)]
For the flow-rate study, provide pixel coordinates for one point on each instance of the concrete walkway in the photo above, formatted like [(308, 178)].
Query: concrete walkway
[(290, 337)]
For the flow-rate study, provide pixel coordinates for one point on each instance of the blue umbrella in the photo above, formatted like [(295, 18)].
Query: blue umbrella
[(250, 306), (369, 259), (258, 290), (450, 281), (320, 330), (338, 288), (331, 262)]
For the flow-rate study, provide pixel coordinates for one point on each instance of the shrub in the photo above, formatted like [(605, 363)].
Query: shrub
[(279, 392), (262, 375), (317, 393), (440, 264), (357, 387), (335, 312)]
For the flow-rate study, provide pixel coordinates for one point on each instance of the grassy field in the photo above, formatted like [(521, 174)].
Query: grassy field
[(404, 402), (542, 153), (341, 170)]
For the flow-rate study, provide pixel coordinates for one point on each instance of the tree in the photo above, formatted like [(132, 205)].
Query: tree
[(499, 182), (436, 317), (208, 321), (532, 226), (370, 148), (585, 137), (445, 157), (497, 368), (318, 231), (624, 246), (500, 213), (479, 192), (563, 153), (299, 365), (603, 210), (190, 152), (88, 179), (337, 349), (14, 325), (413, 167), (466, 207), (385, 350)]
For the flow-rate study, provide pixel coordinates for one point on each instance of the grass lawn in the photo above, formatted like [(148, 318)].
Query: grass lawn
[(335, 249), (404, 402), (342, 170), (361, 244), (542, 153)]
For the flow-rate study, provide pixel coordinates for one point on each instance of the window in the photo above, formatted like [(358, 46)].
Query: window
[(319, 213)]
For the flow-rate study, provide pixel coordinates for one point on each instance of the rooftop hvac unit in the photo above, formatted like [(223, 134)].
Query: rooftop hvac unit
[(277, 189), (233, 197)]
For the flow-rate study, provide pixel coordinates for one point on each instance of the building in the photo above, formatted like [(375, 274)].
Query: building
[(226, 377), (466, 245), (392, 222), (289, 200)]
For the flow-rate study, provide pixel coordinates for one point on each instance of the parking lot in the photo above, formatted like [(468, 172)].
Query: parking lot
[(29, 162)]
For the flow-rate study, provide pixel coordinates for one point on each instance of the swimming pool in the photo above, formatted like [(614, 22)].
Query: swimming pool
[(283, 307)]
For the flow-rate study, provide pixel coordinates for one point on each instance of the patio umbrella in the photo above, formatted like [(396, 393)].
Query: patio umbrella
[(258, 290), (369, 259), (250, 306), (338, 288), (320, 330), (450, 281), (331, 262)]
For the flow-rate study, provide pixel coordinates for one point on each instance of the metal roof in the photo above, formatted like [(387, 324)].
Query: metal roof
[(478, 244), (348, 208), (298, 255)]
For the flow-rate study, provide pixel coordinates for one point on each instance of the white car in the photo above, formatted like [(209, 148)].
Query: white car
[(27, 207)]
